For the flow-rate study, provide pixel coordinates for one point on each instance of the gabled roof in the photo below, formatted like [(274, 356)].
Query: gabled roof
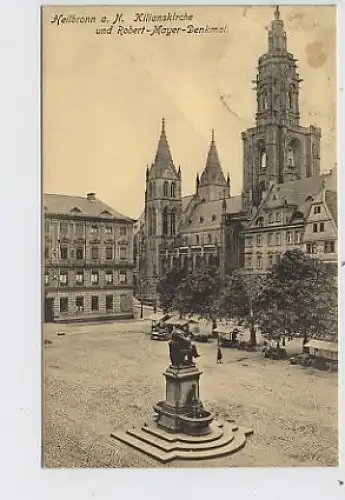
[(300, 194), (212, 173), (331, 199), (62, 204), (208, 215)]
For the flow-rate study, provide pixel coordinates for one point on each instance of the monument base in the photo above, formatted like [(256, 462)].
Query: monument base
[(222, 440)]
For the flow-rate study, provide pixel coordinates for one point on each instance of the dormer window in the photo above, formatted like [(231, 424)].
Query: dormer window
[(317, 209)]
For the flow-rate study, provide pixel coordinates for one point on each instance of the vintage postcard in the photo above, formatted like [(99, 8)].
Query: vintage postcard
[(190, 236)]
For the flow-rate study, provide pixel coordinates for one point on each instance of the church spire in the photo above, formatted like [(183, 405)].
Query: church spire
[(212, 173), (163, 159), (276, 34)]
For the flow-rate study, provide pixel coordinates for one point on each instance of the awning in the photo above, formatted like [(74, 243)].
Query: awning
[(322, 345)]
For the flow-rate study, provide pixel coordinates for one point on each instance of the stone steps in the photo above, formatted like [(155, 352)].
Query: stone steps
[(217, 431), (231, 440)]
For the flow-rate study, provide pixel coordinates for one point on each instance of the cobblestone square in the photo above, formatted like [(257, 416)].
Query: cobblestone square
[(100, 377)]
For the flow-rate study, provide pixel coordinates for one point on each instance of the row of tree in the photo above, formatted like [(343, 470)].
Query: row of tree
[(298, 295)]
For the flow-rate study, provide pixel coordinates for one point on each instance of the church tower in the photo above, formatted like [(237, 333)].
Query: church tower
[(212, 184), (278, 148), (162, 209)]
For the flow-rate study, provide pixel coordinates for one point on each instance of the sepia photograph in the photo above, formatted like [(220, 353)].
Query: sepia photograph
[(189, 236)]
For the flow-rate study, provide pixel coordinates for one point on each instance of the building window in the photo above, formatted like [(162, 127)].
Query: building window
[(63, 253), (270, 239), (259, 240), (165, 221), (173, 223), (94, 303), (270, 218), (259, 262), (94, 231), (278, 217), (95, 252), (79, 303), (154, 222), (289, 238), (80, 253), (63, 229), (317, 209), (109, 302), (201, 220), (263, 159), (270, 260), (109, 277), (329, 247), (249, 241), (214, 217), (63, 278), (249, 262), (278, 239), (260, 222), (314, 228), (123, 230), (165, 189), (173, 189), (277, 259), (123, 253), (46, 278), (311, 248), (64, 304), (123, 276), (322, 227), (297, 237), (79, 230), (94, 277), (209, 238), (79, 277), (108, 231), (197, 239), (109, 253)]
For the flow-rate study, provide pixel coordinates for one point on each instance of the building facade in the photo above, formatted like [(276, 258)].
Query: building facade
[(286, 202), (88, 260)]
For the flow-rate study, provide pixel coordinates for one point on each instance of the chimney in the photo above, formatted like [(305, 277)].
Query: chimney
[(91, 196)]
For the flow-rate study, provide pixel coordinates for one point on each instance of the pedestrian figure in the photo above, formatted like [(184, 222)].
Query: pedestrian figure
[(219, 355)]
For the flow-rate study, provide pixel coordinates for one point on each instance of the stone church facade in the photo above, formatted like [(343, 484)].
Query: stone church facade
[(281, 169)]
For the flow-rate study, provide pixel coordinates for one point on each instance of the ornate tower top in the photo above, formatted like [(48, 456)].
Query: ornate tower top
[(212, 173), (163, 161), (277, 81)]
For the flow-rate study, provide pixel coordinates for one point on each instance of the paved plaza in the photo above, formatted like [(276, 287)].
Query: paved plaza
[(99, 377)]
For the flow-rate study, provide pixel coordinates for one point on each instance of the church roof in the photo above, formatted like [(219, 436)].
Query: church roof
[(208, 215), (79, 206), (163, 161), (212, 173)]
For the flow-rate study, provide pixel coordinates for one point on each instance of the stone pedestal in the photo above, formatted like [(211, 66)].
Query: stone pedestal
[(182, 410)]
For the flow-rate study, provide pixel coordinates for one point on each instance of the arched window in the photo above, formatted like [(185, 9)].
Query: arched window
[(289, 99), (173, 222), (290, 157), (154, 221), (263, 159), (165, 217), (165, 189), (173, 190)]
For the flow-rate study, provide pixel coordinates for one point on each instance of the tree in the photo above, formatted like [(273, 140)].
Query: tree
[(240, 300), (199, 293), (169, 288), (300, 295)]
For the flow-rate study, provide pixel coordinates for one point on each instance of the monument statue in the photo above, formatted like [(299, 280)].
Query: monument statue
[(182, 351)]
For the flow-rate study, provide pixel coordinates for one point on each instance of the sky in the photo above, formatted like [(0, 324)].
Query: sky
[(104, 96)]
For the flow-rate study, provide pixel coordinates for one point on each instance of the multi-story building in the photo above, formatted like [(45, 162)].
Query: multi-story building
[(297, 214), (286, 201), (88, 260)]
